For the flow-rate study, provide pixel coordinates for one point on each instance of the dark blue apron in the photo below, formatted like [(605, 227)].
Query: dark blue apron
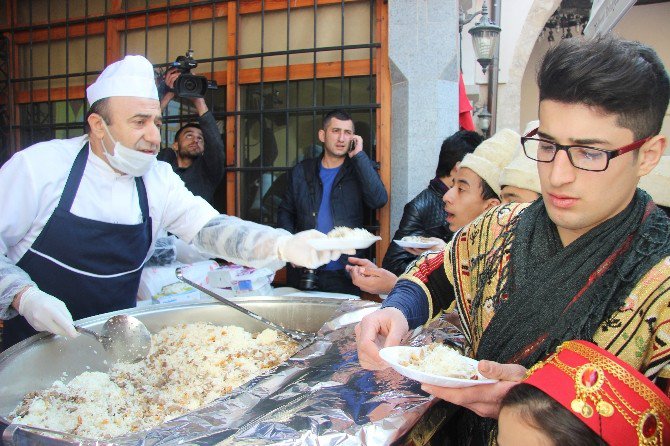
[(92, 266)]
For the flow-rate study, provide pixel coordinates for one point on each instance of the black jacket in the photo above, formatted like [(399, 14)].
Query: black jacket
[(356, 185), (204, 175), (423, 216)]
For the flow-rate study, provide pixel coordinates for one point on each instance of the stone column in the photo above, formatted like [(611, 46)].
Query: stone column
[(423, 59)]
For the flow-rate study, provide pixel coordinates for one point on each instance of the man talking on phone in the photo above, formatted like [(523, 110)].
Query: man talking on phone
[(331, 190)]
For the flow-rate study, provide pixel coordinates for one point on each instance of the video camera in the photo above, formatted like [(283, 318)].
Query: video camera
[(190, 85)]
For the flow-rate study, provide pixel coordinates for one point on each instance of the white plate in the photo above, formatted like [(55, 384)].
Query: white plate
[(393, 355), (408, 244), (324, 244)]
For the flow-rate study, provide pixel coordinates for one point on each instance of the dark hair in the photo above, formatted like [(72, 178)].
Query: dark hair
[(100, 107), (190, 124), (454, 148), (541, 411), (487, 191), (620, 77), (337, 114)]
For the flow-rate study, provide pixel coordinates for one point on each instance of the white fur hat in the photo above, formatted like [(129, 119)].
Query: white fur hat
[(657, 182), (132, 76), (521, 172), (492, 155)]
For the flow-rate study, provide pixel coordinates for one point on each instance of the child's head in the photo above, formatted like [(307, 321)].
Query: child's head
[(531, 417), (476, 188), (584, 395)]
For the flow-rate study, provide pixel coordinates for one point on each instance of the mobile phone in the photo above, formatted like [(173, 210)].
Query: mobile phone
[(352, 145)]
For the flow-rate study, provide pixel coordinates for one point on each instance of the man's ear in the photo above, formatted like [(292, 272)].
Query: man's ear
[(95, 122), (650, 154), (491, 203), (175, 146), (322, 135)]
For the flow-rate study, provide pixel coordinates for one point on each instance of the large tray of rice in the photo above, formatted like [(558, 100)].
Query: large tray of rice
[(203, 350)]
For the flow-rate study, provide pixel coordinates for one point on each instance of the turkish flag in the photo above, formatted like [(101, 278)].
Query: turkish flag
[(464, 107)]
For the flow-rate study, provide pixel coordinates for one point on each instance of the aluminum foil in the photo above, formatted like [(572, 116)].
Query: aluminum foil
[(321, 396)]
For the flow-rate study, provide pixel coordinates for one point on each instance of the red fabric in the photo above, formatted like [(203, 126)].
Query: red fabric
[(614, 429), (464, 107)]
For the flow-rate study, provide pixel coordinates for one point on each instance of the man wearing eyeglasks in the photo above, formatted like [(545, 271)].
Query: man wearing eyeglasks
[(591, 260)]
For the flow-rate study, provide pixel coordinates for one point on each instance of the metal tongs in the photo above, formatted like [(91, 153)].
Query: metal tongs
[(299, 336)]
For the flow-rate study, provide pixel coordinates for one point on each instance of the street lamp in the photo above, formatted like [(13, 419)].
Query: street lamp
[(484, 118), (485, 39)]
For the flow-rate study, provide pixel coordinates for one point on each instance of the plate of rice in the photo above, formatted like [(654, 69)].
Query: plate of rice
[(434, 364), (414, 241), (343, 238)]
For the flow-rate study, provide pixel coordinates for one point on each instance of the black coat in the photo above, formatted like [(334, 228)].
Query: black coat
[(356, 185), (423, 216), (203, 176)]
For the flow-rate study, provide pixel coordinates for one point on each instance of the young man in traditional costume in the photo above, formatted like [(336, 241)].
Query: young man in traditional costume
[(591, 260)]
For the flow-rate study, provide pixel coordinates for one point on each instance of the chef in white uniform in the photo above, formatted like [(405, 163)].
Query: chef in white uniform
[(80, 216)]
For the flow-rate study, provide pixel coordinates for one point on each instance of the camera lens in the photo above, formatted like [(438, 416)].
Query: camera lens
[(309, 280), (189, 85)]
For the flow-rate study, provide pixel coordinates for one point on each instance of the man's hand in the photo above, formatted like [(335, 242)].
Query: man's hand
[(438, 245), (295, 249), (170, 78), (358, 148), (46, 313), (369, 277), (383, 328), (484, 400)]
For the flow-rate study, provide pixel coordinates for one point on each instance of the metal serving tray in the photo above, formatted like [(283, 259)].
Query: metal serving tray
[(37, 362)]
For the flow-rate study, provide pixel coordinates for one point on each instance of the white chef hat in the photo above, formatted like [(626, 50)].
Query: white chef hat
[(132, 76), (492, 155), (521, 172), (657, 182)]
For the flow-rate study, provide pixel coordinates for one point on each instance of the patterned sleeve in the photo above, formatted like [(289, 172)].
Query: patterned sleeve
[(639, 332), (428, 272), (450, 277)]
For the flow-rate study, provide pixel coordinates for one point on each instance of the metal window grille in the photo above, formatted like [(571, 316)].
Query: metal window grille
[(280, 67)]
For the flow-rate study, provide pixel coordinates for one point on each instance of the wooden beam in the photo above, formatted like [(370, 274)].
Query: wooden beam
[(254, 6), (60, 32), (96, 24), (227, 78), (177, 16), (384, 126), (113, 41), (306, 71), (53, 94), (231, 105)]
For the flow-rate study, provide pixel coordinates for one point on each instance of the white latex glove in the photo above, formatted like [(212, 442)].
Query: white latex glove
[(46, 313), (296, 250)]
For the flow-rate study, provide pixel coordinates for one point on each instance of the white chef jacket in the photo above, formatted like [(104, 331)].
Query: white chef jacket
[(33, 180)]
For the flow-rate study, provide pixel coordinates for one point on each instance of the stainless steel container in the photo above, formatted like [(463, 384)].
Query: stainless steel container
[(37, 362)]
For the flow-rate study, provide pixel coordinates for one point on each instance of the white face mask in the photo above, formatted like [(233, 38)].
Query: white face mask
[(129, 161)]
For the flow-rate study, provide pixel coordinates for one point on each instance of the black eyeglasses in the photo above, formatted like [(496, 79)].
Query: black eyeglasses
[(582, 157)]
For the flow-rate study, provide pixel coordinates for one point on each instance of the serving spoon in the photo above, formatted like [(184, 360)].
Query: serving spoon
[(124, 337), (296, 335)]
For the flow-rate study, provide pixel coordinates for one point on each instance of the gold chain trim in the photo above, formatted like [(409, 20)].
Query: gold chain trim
[(592, 392), (624, 376)]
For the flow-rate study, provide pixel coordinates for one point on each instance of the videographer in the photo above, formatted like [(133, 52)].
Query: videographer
[(198, 153)]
